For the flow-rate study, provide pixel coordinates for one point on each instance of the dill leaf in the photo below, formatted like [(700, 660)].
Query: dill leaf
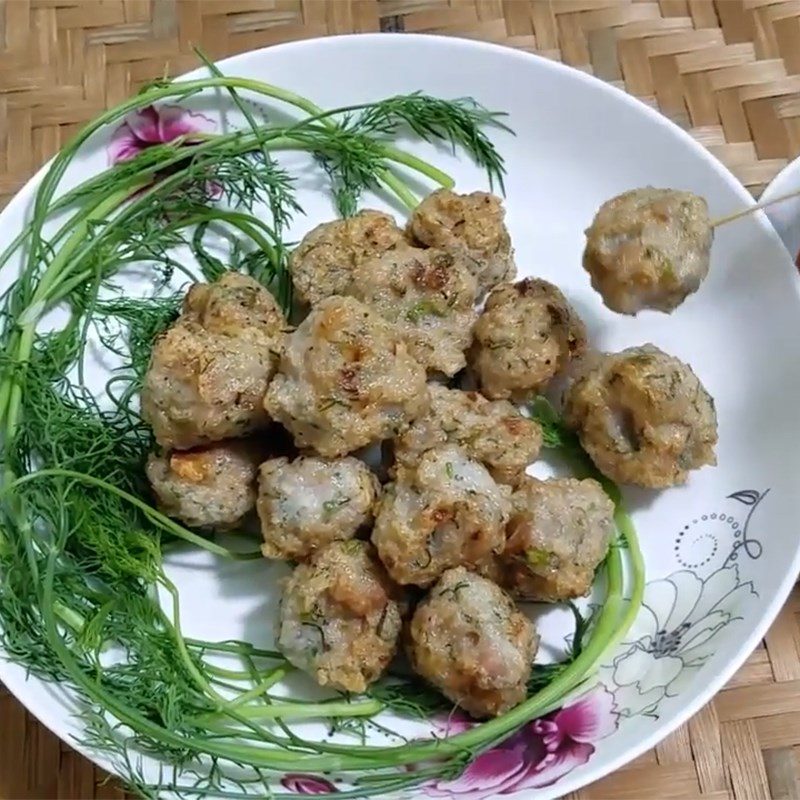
[(460, 123)]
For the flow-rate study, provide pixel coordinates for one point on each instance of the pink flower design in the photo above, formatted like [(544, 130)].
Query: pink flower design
[(149, 126), (539, 754), (307, 784)]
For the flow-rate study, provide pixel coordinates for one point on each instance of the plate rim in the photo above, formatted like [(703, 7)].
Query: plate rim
[(787, 180), (791, 167), (53, 716)]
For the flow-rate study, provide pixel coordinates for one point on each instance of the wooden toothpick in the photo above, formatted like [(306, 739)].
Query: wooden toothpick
[(715, 223)]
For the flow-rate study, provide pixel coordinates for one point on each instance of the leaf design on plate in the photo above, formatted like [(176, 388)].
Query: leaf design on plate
[(747, 496)]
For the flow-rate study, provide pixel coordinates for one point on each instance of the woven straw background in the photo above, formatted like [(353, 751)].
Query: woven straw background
[(729, 71)]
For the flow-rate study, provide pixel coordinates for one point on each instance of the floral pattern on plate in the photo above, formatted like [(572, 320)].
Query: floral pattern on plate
[(299, 783), (538, 754), (672, 636), (151, 125)]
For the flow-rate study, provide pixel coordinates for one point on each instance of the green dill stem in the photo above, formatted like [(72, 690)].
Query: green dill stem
[(614, 571), (155, 516), (278, 674), (225, 707), (389, 152), (628, 530), (55, 276), (11, 389), (232, 144), (256, 676), (273, 140), (258, 132), (293, 711), (403, 781), (398, 187), (274, 676), (442, 178), (383, 175), (189, 664), (78, 235), (52, 178), (128, 213), (283, 140), (391, 181), (132, 182), (69, 617), (15, 244), (235, 688), (235, 648), (65, 287), (234, 674), (141, 205), (46, 191), (243, 222)]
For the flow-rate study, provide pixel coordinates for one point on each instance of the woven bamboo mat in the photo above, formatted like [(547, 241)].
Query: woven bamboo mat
[(728, 71)]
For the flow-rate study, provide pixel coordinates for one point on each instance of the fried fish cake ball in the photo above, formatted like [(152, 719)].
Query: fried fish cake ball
[(322, 264), (310, 502), (202, 387), (211, 487), (558, 534), (527, 334), (643, 416), (648, 248), (209, 371), (341, 617), (346, 379), (471, 642), (233, 305), (490, 431), (445, 513), (471, 225), (429, 296)]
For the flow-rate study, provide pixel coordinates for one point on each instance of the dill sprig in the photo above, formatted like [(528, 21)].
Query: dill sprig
[(409, 696), (557, 436), (460, 122), (542, 674), (136, 321)]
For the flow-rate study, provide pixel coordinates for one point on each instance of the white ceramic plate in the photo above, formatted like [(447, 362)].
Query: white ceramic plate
[(785, 216), (722, 551)]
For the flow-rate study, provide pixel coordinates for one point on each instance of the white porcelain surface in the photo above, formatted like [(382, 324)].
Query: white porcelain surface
[(785, 216)]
